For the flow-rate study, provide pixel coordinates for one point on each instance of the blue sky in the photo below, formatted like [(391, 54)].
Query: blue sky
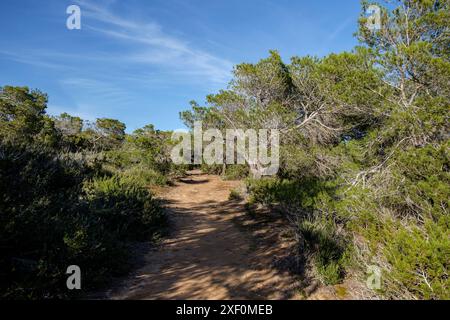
[(142, 61)]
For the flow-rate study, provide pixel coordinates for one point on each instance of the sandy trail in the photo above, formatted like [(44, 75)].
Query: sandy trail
[(208, 255)]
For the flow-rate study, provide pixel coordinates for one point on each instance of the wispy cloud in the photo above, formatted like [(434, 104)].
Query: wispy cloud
[(340, 28), (141, 45), (34, 60), (150, 45), (104, 91)]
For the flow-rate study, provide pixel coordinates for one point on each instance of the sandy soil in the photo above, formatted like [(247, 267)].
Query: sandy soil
[(213, 252)]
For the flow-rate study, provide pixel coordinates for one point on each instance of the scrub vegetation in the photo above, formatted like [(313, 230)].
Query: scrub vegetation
[(364, 166)]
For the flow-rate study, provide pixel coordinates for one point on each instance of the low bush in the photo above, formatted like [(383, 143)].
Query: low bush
[(326, 248), (413, 255), (236, 172), (56, 211), (146, 177), (320, 243), (216, 169), (124, 207), (235, 195)]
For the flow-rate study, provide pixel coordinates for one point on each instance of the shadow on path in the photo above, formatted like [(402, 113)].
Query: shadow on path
[(214, 251)]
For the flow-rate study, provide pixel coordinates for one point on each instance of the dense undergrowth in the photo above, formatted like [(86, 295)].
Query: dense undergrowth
[(72, 194)]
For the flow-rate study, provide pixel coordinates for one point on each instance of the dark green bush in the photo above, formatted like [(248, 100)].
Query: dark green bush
[(52, 217), (326, 248), (320, 243), (124, 207), (236, 172), (216, 169), (145, 177), (303, 193), (416, 253)]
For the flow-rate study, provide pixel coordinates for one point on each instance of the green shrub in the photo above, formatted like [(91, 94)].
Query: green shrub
[(146, 177), (305, 201), (419, 258), (216, 169), (236, 172), (39, 202), (235, 195), (51, 217), (263, 191), (125, 207), (326, 248), (304, 194), (330, 273), (413, 255)]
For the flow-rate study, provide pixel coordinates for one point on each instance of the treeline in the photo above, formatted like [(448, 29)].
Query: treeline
[(364, 175), (72, 193)]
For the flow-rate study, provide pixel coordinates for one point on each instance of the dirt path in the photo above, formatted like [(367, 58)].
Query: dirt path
[(208, 255)]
